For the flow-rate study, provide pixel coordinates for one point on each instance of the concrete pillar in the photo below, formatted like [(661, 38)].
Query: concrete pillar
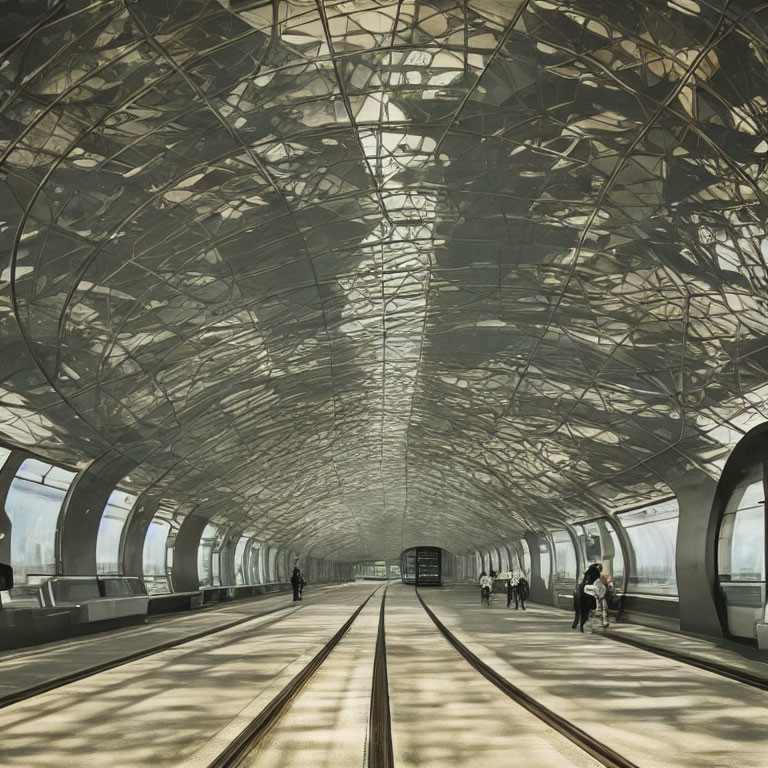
[(7, 473), (227, 568), (184, 574), (695, 558), (134, 534), (81, 512)]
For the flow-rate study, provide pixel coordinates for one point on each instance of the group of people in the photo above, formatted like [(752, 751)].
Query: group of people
[(518, 589), (297, 583), (593, 596)]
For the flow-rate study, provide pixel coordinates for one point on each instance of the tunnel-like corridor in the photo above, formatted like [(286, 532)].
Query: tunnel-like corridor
[(328, 293)]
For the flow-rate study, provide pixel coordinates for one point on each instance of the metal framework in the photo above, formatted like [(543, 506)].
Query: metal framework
[(361, 275)]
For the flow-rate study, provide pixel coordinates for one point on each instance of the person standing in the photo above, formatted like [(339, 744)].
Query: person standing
[(523, 591), (512, 590), (296, 583), (518, 590), (486, 584)]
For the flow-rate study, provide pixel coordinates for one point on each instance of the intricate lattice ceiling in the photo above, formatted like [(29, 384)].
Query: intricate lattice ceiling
[(359, 275)]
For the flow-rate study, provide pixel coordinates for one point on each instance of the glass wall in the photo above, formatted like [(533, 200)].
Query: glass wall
[(652, 532), (503, 559), (240, 575), (741, 544), (155, 557), (545, 563), (741, 558), (33, 504), (599, 543), (523, 556), (566, 564), (113, 519), (252, 560), (205, 555)]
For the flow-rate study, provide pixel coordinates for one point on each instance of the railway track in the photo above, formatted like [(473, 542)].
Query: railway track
[(592, 746), (379, 738)]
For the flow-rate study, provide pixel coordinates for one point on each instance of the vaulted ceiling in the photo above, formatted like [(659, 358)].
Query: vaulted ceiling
[(361, 275)]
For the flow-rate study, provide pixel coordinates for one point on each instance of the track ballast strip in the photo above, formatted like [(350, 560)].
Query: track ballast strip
[(250, 736), (380, 753), (604, 754)]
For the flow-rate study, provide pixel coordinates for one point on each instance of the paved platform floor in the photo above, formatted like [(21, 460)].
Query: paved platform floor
[(183, 706), (27, 667), (694, 648), (162, 710), (446, 715), (656, 712)]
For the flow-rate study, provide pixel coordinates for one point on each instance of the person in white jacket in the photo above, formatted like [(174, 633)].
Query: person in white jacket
[(486, 586), (599, 589)]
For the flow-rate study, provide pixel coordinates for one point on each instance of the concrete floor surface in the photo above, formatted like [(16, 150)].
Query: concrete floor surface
[(161, 710), (446, 715), (656, 712)]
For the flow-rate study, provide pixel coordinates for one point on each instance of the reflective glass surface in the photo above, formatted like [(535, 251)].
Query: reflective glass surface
[(205, 554), (154, 556), (741, 544), (545, 564), (566, 565), (33, 504), (113, 519), (652, 533), (240, 573), (600, 543)]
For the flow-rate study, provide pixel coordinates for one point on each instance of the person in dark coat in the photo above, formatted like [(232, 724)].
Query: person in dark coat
[(522, 591), (582, 602), (6, 578), (296, 583)]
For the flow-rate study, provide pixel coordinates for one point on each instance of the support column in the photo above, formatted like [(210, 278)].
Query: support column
[(135, 533), (539, 591), (695, 559), (7, 473), (184, 574), (227, 559), (81, 512)]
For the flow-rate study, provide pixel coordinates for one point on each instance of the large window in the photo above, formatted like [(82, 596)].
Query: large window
[(741, 559), (257, 562), (652, 532), (205, 555), (545, 562), (158, 555), (240, 573), (741, 545), (599, 543), (503, 559), (522, 556), (33, 504), (566, 564), (111, 527)]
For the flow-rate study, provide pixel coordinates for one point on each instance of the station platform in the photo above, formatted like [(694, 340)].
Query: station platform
[(270, 683)]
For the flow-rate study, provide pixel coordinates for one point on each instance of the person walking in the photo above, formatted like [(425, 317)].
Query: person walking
[(522, 592), (512, 589), (486, 584), (296, 583)]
